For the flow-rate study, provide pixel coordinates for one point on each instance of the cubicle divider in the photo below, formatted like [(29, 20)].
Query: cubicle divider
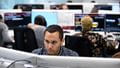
[(23, 59)]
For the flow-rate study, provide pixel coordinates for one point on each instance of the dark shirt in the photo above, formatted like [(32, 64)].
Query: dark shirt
[(63, 52)]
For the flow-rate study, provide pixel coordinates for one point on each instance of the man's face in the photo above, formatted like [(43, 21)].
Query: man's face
[(52, 43)]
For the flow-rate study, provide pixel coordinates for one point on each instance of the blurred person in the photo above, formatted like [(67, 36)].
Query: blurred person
[(39, 26), (95, 38), (63, 7), (4, 37), (53, 41), (116, 55)]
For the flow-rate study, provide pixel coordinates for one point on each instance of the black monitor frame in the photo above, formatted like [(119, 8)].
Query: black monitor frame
[(17, 19), (112, 23)]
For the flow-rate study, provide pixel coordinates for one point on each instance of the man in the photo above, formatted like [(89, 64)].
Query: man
[(4, 37), (39, 27), (53, 40)]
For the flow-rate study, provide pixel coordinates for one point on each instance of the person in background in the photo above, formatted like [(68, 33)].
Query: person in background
[(86, 25), (116, 55), (39, 26), (95, 38), (53, 41), (63, 7), (4, 37)]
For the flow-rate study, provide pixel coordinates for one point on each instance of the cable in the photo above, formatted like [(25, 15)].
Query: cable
[(17, 61)]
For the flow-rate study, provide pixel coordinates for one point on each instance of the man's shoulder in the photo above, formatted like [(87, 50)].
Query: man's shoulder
[(37, 51), (69, 52)]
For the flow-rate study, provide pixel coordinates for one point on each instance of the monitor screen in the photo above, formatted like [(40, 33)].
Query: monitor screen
[(37, 6), (98, 21), (14, 20), (104, 7), (50, 16), (70, 6), (28, 7), (112, 22)]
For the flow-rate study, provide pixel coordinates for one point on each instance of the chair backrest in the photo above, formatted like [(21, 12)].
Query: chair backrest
[(19, 39), (1, 38), (25, 39), (31, 41), (79, 44)]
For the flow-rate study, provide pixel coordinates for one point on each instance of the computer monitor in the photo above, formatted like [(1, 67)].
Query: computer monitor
[(76, 62), (112, 22), (19, 19), (70, 6), (37, 6), (50, 16), (66, 18), (28, 7), (103, 7), (98, 21), (2, 11)]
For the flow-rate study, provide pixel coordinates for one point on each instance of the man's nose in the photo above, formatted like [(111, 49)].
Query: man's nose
[(50, 45)]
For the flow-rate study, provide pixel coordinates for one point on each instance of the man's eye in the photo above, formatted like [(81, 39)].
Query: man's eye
[(46, 41), (54, 42)]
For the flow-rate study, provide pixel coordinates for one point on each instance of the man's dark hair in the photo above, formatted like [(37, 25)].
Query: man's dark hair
[(55, 28), (40, 20)]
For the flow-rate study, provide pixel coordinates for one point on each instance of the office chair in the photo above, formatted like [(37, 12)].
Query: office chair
[(1, 38), (19, 39), (25, 39), (79, 44), (30, 40)]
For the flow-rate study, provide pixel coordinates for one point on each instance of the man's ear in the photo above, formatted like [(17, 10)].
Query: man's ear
[(63, 42)]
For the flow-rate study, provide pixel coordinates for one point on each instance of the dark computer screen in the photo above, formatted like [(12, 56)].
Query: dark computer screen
[(19, 19), (98, 21), (104, 7), (75, 7), (28, 7), (37, 6), (112, 22), (70, 7)]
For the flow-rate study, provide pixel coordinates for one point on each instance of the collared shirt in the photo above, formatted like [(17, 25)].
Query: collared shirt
[(63, 52)]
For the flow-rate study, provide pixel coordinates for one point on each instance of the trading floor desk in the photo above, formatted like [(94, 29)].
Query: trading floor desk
[(18, 59)]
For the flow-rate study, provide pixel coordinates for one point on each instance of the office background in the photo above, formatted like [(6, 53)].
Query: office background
[(8, 4)]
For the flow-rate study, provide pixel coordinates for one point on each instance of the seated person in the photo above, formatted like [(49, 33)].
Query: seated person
[(53, 40), (96, 39), (39, 26), (116, 55), (4, 37), (63, 7)]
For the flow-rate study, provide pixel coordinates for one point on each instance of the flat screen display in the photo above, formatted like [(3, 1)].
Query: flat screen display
[(112, 22), (19, 19)]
